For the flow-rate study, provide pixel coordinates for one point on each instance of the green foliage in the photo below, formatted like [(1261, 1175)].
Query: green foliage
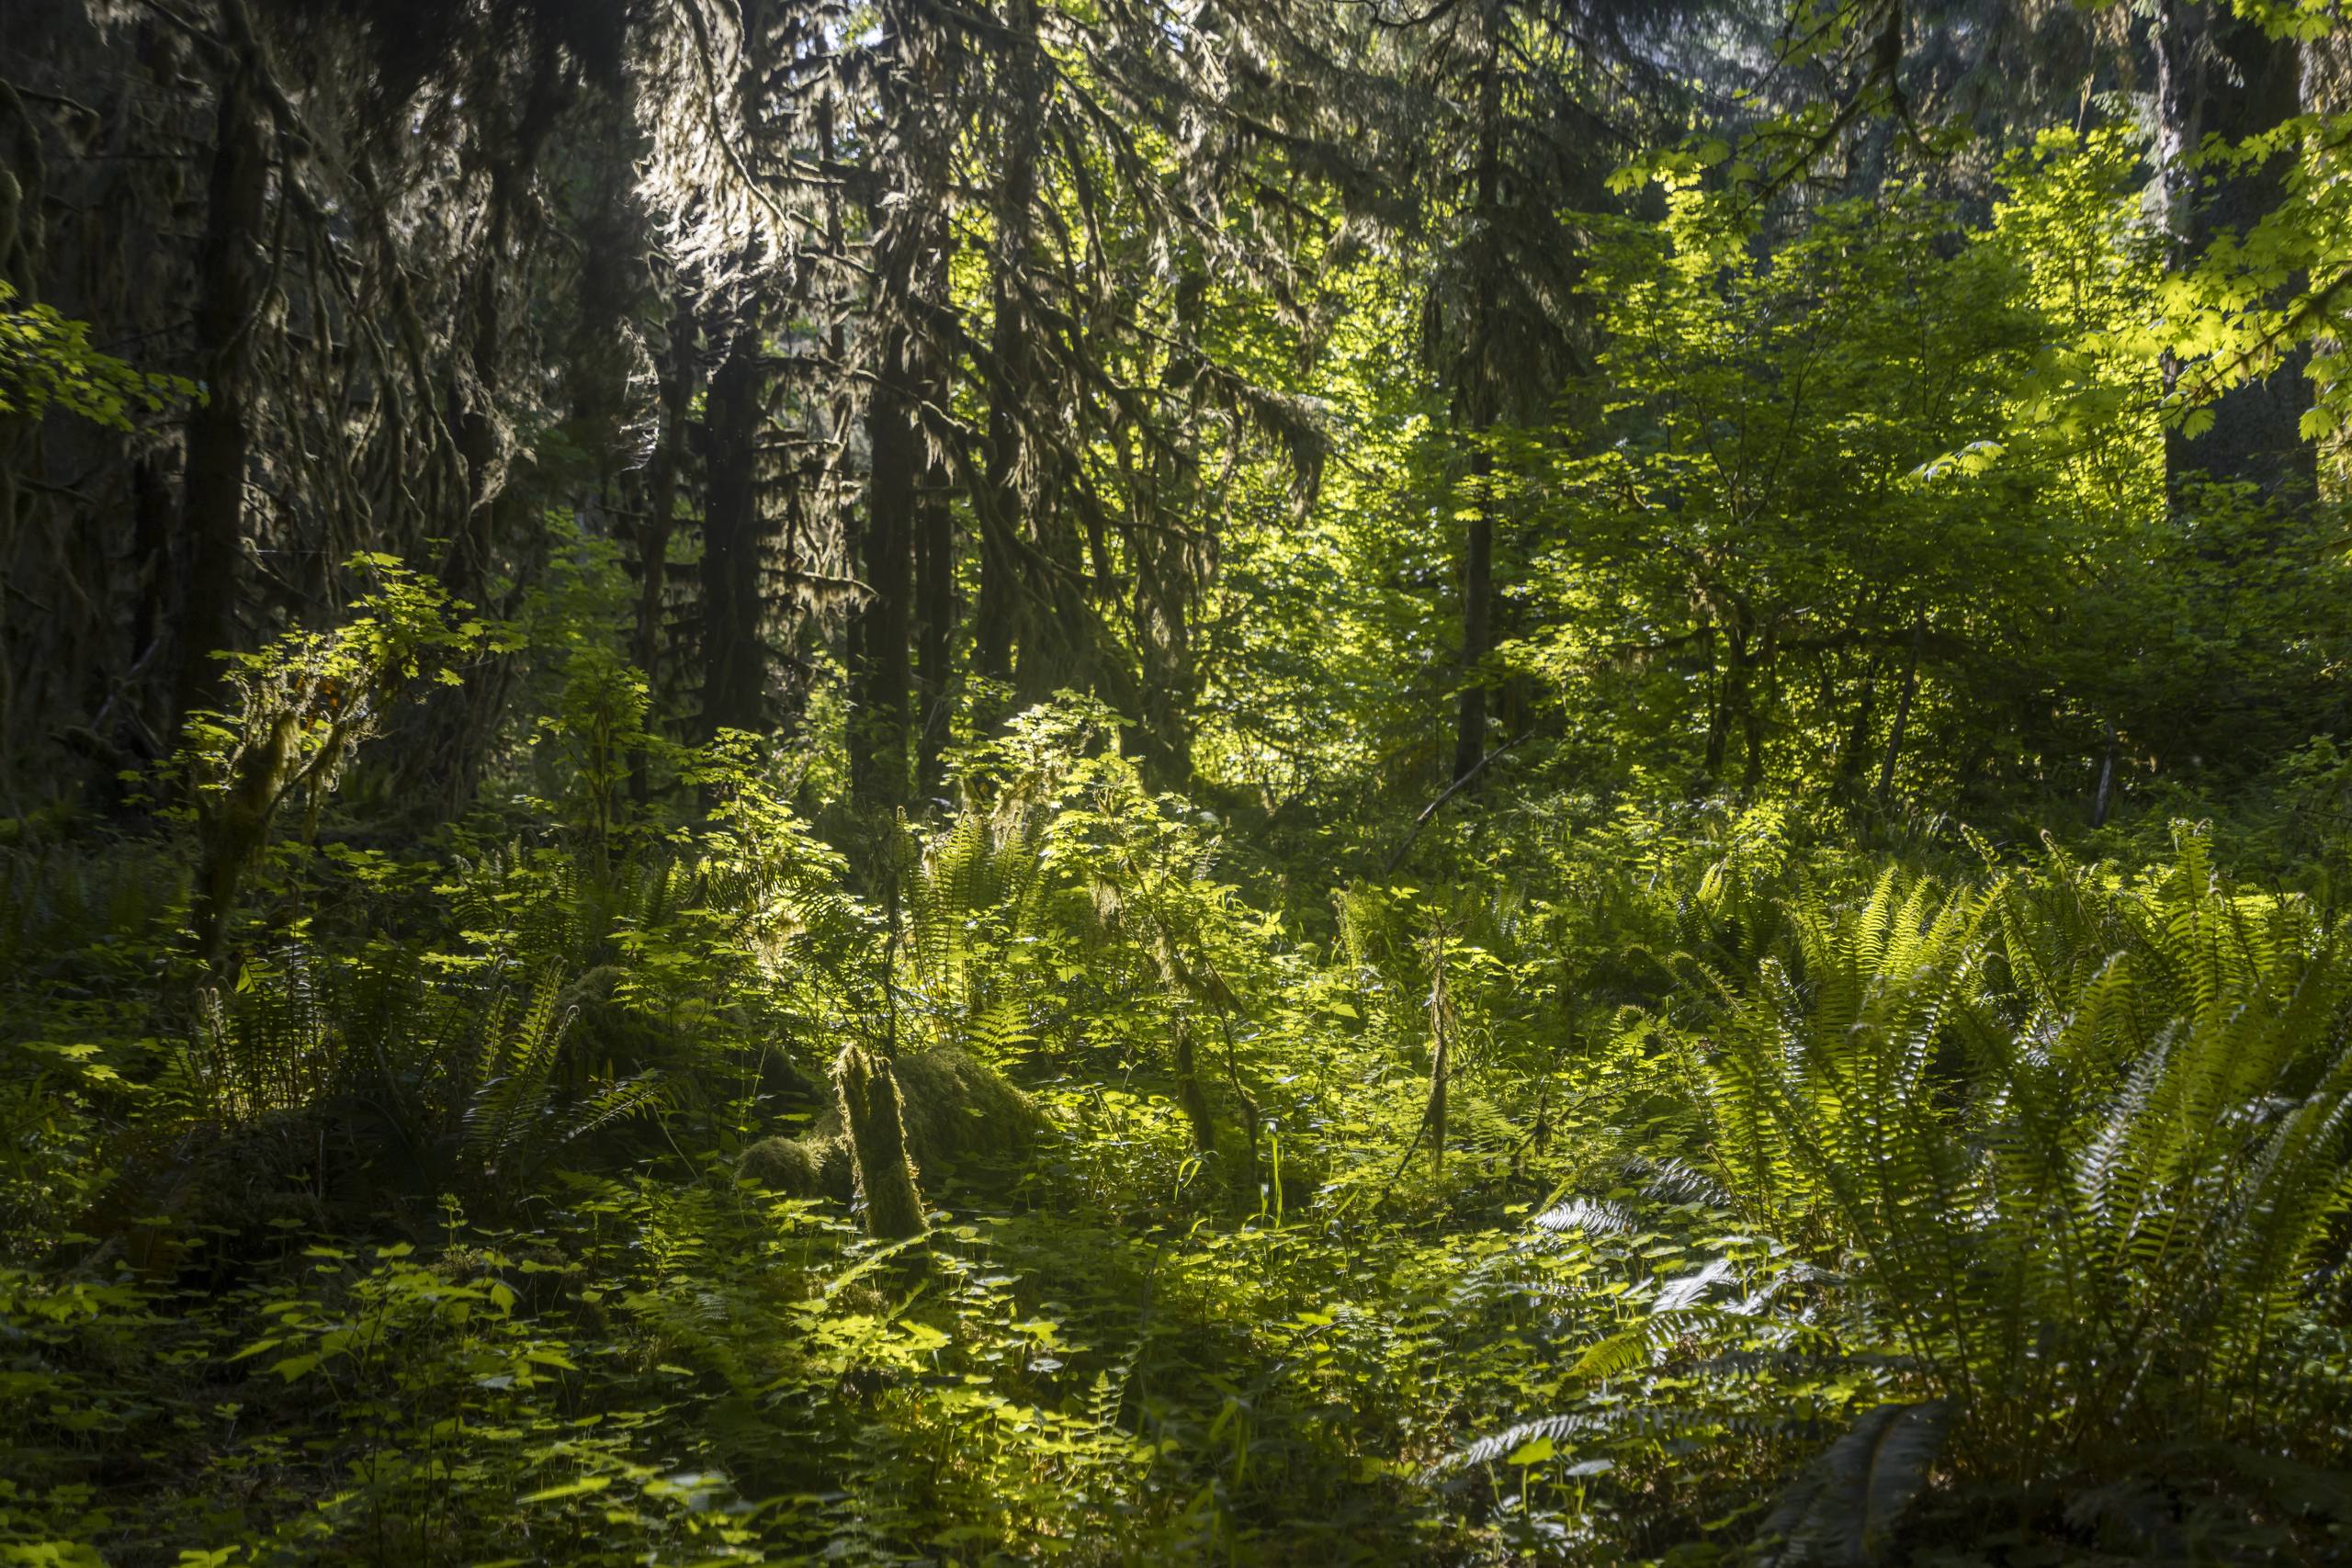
[(46, 361), (2055, 1127), (1788, 1200), (1194, 1124)]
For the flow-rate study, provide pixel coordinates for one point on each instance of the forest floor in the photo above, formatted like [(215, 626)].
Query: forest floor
[(1680, 1189)]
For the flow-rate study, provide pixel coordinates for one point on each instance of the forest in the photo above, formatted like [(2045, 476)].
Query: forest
[(1242, 781)]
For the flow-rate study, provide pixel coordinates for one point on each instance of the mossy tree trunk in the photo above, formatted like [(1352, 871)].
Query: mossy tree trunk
[(877, 1135)]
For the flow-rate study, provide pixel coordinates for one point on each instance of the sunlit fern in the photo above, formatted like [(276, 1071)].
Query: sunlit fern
[(516, 1118), (2087, 1192)]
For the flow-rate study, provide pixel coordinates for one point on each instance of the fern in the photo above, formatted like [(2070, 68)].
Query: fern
[(2080, 1143), (1842, 1513), (514, 1119)]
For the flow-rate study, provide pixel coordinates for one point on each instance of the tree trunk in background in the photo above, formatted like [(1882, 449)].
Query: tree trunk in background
[(1853, 756), (1902, 710), (879, 677), (1169, 566), (1478, 554), (452, 735), (734, 671), (2218, 74), (1477, 600), (212, 497), (1165, 587), (935, 606), (653, 529), (1056, 650), (905, 492), (1008, 486)]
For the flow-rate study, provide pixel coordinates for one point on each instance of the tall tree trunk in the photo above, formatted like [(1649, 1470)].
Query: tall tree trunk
[(1164, 592), (451, 737), (734, 652), (653, 530), (1058, 646), (1854, 755), (1478, 554), (2219, 73), (220, 436), (935, 606), (1009, 485), (1477, 638), (879, 675), (1169, 566), (1719, 705), (905, 490), (1754, 724), (2100, 801)]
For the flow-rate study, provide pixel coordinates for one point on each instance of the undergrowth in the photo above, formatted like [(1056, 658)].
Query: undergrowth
[(1686, 1187)]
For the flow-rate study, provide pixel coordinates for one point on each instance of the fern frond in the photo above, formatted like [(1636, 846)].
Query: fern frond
[(1843, 1511)]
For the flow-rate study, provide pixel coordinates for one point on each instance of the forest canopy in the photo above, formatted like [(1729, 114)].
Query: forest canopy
[(1134, 781)]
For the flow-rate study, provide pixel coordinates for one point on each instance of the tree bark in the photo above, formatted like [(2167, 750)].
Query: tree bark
[(1478, 553), (2100, 802), (2219, 73), (735, 663), (653, 530), (934, 610), (1478, 640), (905, 498), (1008, 484), (1170, 565), (1902, 711), (879, 678), (219, 436)]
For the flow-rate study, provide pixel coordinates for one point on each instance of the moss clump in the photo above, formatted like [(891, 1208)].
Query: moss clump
[(956, 1108), (952, 1108), (812, 1166)]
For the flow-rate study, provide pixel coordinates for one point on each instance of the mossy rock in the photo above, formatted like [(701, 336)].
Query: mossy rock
[(957, 1108), (811, 1166)]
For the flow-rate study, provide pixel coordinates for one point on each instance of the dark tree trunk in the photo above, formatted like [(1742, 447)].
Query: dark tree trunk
[(1170, 565), (219, 434), (1719, 706), (1164, 594), (1902, 710), (879, 675), (152, 515), (1478, 553), (653, 530), (2218, 74), (1478, 640), (1009, 487), (734, 654), (1753, 726), (2100, 801), (934, 610), (1057, 651), (453, 734), (1854, 755), (905, 498)]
